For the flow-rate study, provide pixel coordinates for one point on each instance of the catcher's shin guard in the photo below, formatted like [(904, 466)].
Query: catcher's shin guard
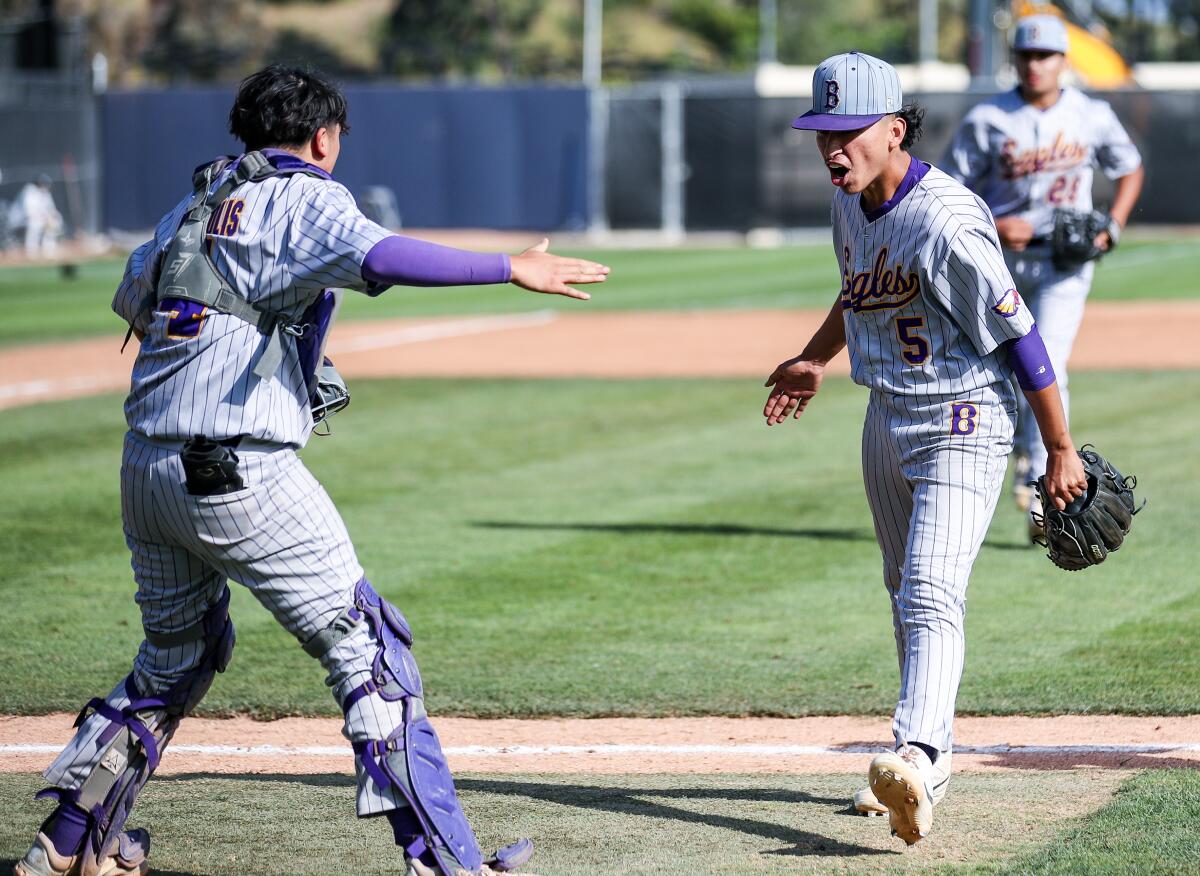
[(410, 760), (132, 744)]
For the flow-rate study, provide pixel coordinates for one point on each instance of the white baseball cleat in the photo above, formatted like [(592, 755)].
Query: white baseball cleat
[(866, 803), (1022, 493), (909, 785), (129, 858)]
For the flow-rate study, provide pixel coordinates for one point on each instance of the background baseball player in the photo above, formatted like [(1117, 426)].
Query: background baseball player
[(935, 329), (1029, 153), (229, 301)]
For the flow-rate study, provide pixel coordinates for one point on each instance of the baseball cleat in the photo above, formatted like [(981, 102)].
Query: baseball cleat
[(865, 803), (43, 859), (505, 860), (416, 868), (900, 781), (1022, 493)]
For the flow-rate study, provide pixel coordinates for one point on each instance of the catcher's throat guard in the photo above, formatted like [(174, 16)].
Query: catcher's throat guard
[(1095, 524)]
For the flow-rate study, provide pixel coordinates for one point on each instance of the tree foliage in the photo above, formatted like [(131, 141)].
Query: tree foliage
[(490, 40)]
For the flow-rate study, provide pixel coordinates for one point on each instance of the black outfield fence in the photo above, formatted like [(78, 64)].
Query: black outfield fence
[(677, 155), (747, 168)]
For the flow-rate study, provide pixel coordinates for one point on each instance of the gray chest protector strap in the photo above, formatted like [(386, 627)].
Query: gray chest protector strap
[(188, 272)]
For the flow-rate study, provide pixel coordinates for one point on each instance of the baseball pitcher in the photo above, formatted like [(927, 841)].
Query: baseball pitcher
[(935, 329)]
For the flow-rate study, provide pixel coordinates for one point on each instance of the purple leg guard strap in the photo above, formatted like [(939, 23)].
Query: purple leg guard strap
[(132, 750), (410, 760)]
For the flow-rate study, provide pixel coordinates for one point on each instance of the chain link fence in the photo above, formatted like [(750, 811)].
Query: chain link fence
[(51, 133), (744, 167)]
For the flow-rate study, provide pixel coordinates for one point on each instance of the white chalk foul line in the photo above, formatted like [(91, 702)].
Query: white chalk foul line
[(40, 388), (30, 390), (455, 328), (686, 750)]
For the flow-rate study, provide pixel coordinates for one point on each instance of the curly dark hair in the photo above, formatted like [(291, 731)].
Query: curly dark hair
[(913, 116), (285, 106)]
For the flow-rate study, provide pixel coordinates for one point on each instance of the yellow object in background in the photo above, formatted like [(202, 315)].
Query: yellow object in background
[(1096, 62)]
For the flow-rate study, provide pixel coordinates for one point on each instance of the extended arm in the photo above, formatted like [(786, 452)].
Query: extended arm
[(797, 380), (405, 261)]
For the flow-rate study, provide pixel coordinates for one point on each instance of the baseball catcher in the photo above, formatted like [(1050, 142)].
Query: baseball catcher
[(1096, 523)]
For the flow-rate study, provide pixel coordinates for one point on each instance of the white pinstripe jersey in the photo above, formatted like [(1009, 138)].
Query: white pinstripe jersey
[(1025, 161), (279, 242), (926, 296)]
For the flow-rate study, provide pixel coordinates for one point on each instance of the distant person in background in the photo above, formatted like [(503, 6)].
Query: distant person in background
[(1030, 153), (34, 211)]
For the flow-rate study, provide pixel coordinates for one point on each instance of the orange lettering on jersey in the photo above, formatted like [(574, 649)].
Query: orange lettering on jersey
[(1059, 155), (879, 289)]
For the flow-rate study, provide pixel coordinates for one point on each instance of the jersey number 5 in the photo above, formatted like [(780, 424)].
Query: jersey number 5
[(915, 348)]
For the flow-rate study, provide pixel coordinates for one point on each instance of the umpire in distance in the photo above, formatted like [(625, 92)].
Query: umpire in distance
[(231, 302)]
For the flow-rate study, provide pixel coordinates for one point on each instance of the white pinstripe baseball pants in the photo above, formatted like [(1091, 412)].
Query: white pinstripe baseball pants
[(933, 470), (281, 537)]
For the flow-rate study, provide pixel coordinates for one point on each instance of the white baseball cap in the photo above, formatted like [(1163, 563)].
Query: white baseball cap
[(1040, 33), (851, 91)]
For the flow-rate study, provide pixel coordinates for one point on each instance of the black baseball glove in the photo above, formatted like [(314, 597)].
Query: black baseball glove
[(1096, 523), (1073, 241)]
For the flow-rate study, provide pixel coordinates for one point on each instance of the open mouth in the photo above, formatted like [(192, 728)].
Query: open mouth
[(837, 173)]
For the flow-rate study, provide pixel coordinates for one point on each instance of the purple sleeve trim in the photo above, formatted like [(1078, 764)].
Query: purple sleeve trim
[(1030, 361), (405, 261)]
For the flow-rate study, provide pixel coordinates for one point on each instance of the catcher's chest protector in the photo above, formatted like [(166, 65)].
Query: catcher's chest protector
[(188, 272)]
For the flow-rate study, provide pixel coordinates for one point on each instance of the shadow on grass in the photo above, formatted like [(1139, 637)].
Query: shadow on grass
[(641, 801), (626, 801), (683, 529), (7, 865), (1022, 547)]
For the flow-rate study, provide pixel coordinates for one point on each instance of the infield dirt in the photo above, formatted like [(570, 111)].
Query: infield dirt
[(725, 343), (650, 745)]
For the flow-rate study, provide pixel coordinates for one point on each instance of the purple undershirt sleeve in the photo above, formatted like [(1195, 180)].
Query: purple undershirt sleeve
[(1030, 362), (406, 261)]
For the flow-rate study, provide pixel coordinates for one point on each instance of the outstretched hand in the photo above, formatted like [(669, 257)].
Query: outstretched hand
[(540, 271), (795, 382)]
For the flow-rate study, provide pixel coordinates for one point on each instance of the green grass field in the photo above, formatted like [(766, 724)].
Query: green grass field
[(624, 547), (568, 547), (1000, 825), (38, 305)]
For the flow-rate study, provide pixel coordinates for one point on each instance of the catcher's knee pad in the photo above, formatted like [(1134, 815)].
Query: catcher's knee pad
[(409, 761), (131, 745)]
